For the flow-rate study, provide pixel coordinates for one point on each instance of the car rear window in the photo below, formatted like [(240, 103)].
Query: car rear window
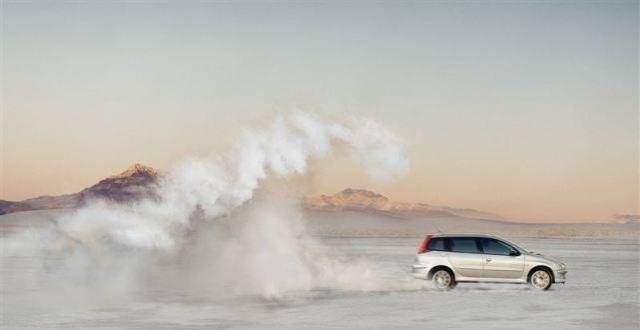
[(464, 245), (437, 244)]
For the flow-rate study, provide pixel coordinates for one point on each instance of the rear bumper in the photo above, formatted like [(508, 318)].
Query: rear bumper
[(420, 271)]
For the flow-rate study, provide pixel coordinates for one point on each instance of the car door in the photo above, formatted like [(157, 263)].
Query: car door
[(466, 256), (501, 260)]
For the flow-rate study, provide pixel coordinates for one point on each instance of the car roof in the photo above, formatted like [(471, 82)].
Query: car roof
[(465, 235)]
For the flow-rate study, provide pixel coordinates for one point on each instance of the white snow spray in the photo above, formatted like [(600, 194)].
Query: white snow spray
[(224, 227)]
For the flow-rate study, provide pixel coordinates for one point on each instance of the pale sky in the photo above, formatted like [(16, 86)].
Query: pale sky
[(528, 110)]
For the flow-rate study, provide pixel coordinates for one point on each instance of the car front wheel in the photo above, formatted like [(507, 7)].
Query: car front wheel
[(540, 279)]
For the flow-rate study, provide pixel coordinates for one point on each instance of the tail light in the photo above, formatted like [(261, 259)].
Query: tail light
[(424, 246)]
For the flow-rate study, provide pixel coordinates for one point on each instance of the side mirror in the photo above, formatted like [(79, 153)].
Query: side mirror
[(514, 253)]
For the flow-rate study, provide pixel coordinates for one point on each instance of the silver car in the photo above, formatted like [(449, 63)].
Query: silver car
[(449, 259)]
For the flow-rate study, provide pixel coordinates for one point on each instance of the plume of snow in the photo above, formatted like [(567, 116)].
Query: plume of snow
[(206, 212), (284, 148)]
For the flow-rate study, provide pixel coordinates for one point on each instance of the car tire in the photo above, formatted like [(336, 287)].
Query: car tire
[(443, 279), (541, 279)]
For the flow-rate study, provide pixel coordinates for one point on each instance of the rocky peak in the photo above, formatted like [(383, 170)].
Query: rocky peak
[(135, 182), (357, 199), (136, 169), (360, 193)]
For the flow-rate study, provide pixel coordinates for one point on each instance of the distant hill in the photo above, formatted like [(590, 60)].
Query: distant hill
[(350, 212), (138, 180), (135, 182), (361, 200)]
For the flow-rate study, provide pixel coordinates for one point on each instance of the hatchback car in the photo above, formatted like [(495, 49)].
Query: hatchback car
[(449, 259)]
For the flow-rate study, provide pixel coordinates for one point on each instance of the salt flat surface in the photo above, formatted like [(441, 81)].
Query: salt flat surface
[(602, 291)]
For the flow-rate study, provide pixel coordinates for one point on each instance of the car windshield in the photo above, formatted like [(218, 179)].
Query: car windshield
[(520, 248)]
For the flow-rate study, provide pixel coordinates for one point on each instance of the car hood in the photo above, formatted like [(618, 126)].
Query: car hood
[(542, 257)]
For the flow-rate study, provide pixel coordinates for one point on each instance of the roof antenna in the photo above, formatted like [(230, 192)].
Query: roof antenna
[(438, 229)]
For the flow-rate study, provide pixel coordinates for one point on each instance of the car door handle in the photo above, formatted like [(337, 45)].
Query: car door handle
[(488, 259)]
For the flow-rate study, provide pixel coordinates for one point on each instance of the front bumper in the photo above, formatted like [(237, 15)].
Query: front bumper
[(560, 275)]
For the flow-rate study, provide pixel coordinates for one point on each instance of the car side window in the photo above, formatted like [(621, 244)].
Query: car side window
[(437, 244), (492, 246), (464, 245)]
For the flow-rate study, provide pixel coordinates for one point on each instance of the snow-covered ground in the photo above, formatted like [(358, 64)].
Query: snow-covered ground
[(602, 291)]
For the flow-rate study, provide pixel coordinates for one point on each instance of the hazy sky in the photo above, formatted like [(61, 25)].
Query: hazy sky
[(526, 110)]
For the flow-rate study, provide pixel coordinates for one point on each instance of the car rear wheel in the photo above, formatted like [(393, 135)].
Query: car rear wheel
[(443, 279), (540, 280)]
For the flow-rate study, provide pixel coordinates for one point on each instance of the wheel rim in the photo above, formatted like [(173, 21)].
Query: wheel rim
[(442, 279), (540, 279)]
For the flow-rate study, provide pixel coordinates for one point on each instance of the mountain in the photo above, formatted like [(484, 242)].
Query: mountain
[(361, 200), (138, 181), (10, 207), (349, 213), (135, 182)]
